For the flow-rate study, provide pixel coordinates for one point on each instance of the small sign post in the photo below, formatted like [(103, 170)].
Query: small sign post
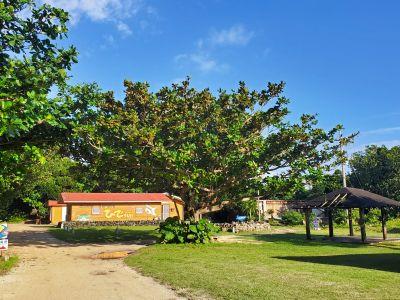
[(3, 245), (3, 239)]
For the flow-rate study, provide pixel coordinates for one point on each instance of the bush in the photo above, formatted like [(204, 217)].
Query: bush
[(291, 217), (274, 222), (16, 218), (339, 216), (175, 231), (373, 217)]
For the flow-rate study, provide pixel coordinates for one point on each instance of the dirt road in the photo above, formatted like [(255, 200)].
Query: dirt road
[(51, 269)]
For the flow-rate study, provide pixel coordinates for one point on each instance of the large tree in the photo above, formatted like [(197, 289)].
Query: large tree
[(202, 147), (377, 169), (31, 65)]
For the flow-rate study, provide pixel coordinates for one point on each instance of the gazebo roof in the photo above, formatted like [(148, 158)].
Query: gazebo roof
[(348, 198)]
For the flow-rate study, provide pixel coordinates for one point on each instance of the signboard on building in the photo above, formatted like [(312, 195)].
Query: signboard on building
[(3, 230), (3, 244)]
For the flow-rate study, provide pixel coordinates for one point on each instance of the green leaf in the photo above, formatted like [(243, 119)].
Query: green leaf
[(193, 228), (169, 236)]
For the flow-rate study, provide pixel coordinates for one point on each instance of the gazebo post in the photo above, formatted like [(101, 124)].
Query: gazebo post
[(383, 217), (350, 215), (362, 225), (308, 231), (330, 222)]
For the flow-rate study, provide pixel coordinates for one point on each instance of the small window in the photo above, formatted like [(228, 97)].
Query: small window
[(139, 210), (95, 210)]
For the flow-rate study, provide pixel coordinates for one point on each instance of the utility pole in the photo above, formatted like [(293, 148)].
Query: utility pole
[(349, 211), (343, 162)]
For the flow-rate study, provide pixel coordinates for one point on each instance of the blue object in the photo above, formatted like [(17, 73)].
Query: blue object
[(3, 231), (241, 218)]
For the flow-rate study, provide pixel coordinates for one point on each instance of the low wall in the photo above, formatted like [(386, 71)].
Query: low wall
[(244, 226), (80, 224)]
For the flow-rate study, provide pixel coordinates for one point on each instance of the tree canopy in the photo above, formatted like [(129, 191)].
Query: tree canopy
[(377, 169), (205, 148)]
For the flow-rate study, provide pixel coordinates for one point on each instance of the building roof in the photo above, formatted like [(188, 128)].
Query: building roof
[(54, 203), (348, 198), (117, 197), (275, 201)]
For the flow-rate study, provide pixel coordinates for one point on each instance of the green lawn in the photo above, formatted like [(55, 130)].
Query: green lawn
[(276, 266), (6, 266), (106, 234)]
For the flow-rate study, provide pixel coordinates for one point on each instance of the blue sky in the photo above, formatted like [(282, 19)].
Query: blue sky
[(339, 59)]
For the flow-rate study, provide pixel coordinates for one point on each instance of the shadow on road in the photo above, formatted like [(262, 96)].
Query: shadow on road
[(40, 237)]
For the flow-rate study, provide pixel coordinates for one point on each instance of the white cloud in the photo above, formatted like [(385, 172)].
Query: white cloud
[(178, 80), (381, 130), (388, 144), (235, 35), (124, 28), (109, 42), (203, 55), (114, 11), (202, 61)]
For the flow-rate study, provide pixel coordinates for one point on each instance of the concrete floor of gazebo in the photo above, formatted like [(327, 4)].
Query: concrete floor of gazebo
[(357, 239)]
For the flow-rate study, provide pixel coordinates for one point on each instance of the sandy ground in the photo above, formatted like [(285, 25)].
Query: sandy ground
[(51, 269)]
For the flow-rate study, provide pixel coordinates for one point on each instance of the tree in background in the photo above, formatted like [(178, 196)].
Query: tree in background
[(202, 147), (249, 207), (320, 183), (42, 182), (377, 169), (46, 181)]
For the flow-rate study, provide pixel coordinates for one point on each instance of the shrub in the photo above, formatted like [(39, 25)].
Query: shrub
[(373, 217), (274, 222), (16, 218), (271, 212), (291, 217), (175, 231), (339, 216)]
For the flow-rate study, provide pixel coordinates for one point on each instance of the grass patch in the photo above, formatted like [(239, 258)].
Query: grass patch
[(107, 234), (6, 266), (282, 266)]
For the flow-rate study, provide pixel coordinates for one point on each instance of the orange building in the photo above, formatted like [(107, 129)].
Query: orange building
[(115, 207)]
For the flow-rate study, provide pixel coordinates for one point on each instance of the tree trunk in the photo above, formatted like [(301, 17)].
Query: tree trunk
[(330, 223), (383, 217), (350, 215), (362, 225), (308, 231)]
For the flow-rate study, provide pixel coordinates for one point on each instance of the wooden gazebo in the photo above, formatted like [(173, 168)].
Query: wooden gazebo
[(348, 198)]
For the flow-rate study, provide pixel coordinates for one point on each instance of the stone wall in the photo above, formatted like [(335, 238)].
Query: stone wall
[(80, 224), (244, 226)]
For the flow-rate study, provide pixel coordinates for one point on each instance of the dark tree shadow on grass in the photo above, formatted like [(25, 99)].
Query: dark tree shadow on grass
[(299, 239), (389, 262), (394, 230)]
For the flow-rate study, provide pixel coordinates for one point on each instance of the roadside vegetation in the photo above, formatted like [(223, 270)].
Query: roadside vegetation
[(107, 234), (276, 266), (7, 265)]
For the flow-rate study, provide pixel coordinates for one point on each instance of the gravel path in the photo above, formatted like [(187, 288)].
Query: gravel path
[(51, 269)]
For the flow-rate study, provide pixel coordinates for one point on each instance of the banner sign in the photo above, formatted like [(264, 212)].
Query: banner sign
[(3, 230), (3, 244), (241, 218)]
